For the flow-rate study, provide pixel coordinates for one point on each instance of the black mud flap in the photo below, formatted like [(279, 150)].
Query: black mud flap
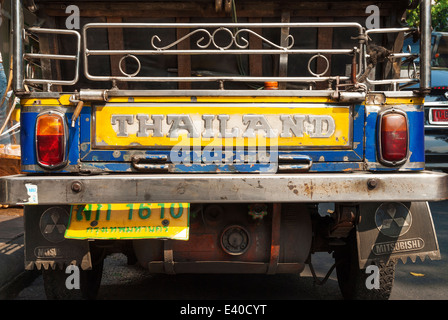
[(45, 245), (394, 230)]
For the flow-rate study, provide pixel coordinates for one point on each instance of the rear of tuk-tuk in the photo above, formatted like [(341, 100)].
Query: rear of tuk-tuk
[(221, 137)]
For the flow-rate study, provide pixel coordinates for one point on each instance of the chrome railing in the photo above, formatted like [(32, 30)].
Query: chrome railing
[(394, 82), (32, 57), (207, 44)]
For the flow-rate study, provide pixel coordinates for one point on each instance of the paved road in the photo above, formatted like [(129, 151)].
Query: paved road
[(429, 282)]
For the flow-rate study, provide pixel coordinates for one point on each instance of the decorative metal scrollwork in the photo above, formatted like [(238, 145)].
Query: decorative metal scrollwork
[(210, 38), (156, 37), (290, 40)]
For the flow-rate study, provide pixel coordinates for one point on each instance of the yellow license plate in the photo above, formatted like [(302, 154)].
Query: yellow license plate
[(129, 221), (236, 125)]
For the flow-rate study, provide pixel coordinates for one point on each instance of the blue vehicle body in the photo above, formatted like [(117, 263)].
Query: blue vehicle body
[(436, 135), (363, 153)]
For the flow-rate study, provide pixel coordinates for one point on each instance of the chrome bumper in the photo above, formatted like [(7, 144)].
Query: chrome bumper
[(206, 188)]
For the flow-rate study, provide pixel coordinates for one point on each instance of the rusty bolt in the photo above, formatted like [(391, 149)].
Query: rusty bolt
[(181, 190), (372, 183), (76, 186)]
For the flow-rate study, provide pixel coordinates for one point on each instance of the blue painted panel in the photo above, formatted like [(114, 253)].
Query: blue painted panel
[(87, 154), (416, 141), (27, 140), (73, 141), (201, 168), (371, 137), (417, 136), (27, 132), (80, 151)]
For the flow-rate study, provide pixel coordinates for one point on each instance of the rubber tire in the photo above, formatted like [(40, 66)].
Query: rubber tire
[(352, 279), (90, 281)]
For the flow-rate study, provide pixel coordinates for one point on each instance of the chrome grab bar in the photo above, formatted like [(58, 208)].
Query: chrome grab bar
[(76, 57)]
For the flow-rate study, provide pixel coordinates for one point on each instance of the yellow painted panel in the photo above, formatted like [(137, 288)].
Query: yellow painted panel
[(273, 124)]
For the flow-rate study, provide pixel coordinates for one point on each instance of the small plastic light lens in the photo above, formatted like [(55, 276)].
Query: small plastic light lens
[(394, 137), (50, 139)]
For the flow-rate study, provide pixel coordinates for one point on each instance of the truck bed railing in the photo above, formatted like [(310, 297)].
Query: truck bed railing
[(32, 57), (207, 45), (394, 82), (238, 43)]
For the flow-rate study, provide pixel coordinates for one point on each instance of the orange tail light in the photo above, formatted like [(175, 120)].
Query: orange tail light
[(393, 138), (50, 139)]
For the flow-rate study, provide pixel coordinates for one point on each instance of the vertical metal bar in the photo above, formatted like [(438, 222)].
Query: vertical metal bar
[(354, 68), (255, 43), (324, 41), (115, 40), (183, 62), (425, 46), (18, 84), (283, 59), (275, 239), (168, 257)]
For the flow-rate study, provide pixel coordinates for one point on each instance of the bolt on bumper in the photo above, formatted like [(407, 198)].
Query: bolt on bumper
[(208, 188)]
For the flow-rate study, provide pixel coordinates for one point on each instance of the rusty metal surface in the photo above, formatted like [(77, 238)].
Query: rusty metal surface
[(275, 238), (207, 188), (271, 245)]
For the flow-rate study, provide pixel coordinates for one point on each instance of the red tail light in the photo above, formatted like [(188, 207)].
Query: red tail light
[(393, 137), (50, 139)]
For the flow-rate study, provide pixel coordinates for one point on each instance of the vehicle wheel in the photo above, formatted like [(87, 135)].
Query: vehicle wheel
[(352, 279), (89, 283)]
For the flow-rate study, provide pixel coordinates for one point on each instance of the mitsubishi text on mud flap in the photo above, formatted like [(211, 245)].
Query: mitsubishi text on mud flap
[(219, 136)]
